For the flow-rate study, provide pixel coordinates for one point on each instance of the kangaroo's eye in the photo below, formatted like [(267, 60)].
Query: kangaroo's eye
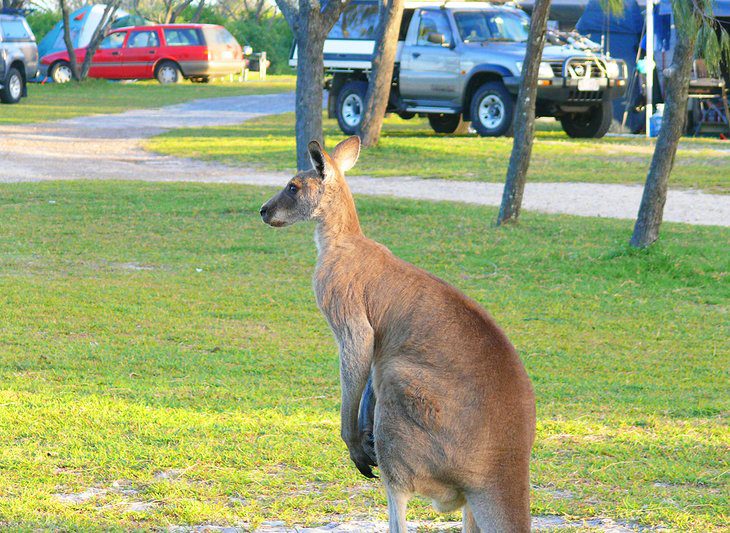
[(293, 188)]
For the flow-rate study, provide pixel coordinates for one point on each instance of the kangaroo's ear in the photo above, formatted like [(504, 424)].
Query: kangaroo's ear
[(316, 154), (346, 153)]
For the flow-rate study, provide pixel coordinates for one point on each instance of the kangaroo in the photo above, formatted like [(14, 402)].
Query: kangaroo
[(454, 414)]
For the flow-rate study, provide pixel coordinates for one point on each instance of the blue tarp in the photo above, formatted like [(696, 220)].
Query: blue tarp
[(622, 36)]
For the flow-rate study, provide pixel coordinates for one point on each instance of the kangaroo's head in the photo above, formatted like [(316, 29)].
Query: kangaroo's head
[(311, 194)]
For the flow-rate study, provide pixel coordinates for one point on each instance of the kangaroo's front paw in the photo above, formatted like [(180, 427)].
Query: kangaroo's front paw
[(362, 461), (367, 441)]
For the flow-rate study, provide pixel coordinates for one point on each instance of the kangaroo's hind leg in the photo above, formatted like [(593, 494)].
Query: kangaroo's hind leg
[(469, 524), (397, 504), (500, 511)]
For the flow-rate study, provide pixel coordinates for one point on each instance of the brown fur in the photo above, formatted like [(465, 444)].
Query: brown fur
[(455, 411)]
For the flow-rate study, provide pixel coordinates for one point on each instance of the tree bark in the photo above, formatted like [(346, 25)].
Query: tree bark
[(198, 11), (97, 37), (310, 25), (646, 229), (381, 76), (67, 40), (309, 91), (524, 120)]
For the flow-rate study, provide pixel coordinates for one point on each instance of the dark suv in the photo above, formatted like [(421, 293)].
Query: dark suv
[(18, 57)]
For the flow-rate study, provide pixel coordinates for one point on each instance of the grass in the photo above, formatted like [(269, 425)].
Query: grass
[(53, 101), (161, 345), (410, 148)]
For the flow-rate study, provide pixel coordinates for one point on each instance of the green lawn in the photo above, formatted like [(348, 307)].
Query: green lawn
[(410, 148), (52, 101), (161, 345)]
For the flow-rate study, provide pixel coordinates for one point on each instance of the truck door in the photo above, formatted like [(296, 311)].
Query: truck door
[(429, 70)]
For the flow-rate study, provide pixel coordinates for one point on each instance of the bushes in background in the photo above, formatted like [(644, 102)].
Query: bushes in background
[(41, 22)]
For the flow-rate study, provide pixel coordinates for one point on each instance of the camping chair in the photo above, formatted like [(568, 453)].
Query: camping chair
[(710, 101)]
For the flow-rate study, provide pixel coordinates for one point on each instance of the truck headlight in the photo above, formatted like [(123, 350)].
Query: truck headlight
[(545, 70), (613, 70)]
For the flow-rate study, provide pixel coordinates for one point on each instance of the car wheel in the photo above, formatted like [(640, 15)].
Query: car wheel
[(492, 110), (351, 105), (442, 123), (61, 72), (13, 88), (591, 124), (168, 72)]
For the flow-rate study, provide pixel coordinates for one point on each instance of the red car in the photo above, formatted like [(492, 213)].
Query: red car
[(168, 52)]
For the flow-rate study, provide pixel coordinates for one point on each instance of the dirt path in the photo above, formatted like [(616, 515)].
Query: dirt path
[(109, 147)]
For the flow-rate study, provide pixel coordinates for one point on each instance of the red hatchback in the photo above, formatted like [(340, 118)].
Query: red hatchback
[(168, 52)]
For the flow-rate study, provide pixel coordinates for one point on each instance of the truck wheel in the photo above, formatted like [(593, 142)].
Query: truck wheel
[(13, 88), (591, 124), (168, 72), (61, 72), (492, 109), (351, 105), (442, 123)]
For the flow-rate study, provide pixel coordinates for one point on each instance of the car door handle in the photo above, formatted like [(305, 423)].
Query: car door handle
[(416, 54), (150, 51), (115, 53)]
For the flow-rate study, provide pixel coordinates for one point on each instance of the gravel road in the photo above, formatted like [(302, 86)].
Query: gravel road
[(109, 147)]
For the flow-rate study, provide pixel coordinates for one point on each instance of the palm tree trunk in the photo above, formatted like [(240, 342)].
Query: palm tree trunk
[(381, 76), (646, 229), (524, 120)]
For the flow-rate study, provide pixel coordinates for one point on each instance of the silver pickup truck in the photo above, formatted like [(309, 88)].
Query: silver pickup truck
[(462, 61), (18, 57)]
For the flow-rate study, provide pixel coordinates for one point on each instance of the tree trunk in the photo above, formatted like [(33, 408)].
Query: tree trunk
[(310, 24), (646, 230), (310, 87), (67, 40), (179, 9), (524, 120), (381, 76), (97, 37), (198, 12)]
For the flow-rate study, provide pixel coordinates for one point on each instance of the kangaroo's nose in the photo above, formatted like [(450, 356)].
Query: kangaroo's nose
[(262, 211)]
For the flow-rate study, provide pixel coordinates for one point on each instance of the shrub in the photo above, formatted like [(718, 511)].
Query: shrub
[(41, 22)]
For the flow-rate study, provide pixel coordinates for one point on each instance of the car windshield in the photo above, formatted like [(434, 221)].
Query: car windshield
[(490, 26)]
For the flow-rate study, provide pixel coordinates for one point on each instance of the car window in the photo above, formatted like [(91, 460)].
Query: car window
[(223, 36), (14, 30), (472, 26), (113, 40), (480, 26), (358, 21), (182, 37), (143, 39), (433, 22)]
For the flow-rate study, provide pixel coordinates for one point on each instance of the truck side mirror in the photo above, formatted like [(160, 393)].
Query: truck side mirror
[(436, 38)]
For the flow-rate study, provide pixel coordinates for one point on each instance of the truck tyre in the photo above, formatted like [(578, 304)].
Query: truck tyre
[(492, 109), (61, 72), (443, 123), (351, 105), (168, 72), (591, 124), (13, 88)]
